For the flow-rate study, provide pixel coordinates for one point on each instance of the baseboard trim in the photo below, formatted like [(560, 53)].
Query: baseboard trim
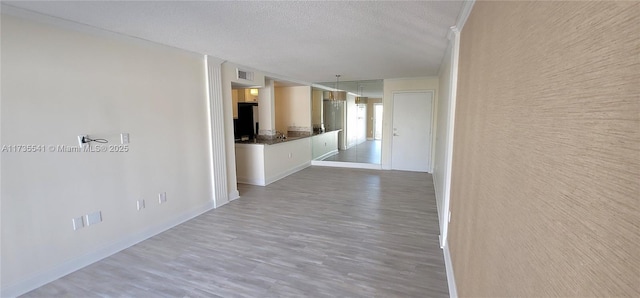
[(46, 276), (340, 164), (453, 292), (330, 153), (234, 195), (286, 173), (259, 182)]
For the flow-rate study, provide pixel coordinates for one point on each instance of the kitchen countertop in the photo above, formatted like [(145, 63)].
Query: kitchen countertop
[(278, 141)]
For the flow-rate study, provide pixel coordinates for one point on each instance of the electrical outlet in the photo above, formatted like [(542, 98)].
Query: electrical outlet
[(94, 218), (162, 197), (77, 223), (140, 204), (124, 138)]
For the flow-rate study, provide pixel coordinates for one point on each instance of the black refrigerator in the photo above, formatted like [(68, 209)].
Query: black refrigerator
[(247, 123)]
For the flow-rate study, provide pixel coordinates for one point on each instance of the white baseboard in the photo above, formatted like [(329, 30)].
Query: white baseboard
[(234, 195), (453, 292), (286, 173), (46, 276), (340, 164), (243, 180), (330, 153)]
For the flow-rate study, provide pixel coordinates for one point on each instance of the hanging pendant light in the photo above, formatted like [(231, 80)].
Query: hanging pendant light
[(361, 99), (338, 96)]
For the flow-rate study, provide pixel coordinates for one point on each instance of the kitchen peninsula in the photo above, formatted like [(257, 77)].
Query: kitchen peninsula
[(265, 160)]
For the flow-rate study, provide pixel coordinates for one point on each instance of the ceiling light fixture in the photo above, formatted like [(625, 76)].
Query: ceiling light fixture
[(361, 99), (337, 96)]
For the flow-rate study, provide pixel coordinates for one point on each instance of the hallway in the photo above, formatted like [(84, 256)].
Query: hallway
[(322, 232)]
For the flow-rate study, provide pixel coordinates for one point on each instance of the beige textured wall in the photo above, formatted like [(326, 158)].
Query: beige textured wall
[(293, 107), (545, 190)]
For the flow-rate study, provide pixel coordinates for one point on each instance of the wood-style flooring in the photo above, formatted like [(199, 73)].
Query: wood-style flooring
[(322, 232), (365, 152)]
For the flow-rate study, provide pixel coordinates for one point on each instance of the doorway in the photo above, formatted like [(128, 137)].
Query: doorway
[(411, 143), (377, 121)]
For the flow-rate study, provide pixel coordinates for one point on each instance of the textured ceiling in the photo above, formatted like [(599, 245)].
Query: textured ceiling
[(309, 41)]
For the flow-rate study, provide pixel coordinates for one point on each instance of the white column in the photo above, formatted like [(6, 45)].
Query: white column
[(216, 117), (267, 109)]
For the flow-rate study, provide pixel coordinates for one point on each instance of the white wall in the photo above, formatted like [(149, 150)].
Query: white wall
[(59, 83), (284, 159), (261, 164), (351, 129), (250, 163), (293, 107), (324, 145), (395, 85), (266, 108)]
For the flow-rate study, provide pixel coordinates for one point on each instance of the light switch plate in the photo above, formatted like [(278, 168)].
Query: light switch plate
[(77, 223), (140, 204), (124, 138), (162, 197), (94, 218)]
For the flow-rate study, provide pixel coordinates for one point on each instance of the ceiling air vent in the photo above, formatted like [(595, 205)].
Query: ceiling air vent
[(245, 75)]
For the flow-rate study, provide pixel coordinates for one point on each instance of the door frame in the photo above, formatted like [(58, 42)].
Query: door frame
[(433, 123)]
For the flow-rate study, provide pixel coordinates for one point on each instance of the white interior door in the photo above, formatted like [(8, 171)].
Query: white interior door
[(411, 145)]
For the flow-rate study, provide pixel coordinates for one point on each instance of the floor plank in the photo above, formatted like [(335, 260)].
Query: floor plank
[(322, 232), (365, 152)]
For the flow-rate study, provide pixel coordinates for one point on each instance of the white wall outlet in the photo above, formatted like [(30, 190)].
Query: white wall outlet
[(162, 197), (93, 218), (124, 138), (140, 204), (77, 223), (81, 142)]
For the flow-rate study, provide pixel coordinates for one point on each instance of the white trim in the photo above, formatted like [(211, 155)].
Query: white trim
[(330, 153), (251, 181), (234, 195), (448, 265), (47, 276), (216, 127), (467, 6), (454, 39), (341, 164), (448, 163), (274, 178)]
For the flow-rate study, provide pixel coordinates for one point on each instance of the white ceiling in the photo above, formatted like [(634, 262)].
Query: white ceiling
[(302, 40)]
